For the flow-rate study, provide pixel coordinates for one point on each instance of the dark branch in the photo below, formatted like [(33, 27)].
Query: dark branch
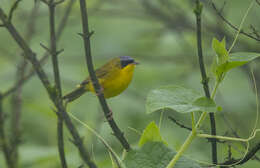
[(55, 64), (231, 25), (258, 2), (31, 56), (16, 100), (179, 124), (3, 140), (12, 10), (241, 161), (28, 76), (102, 100), (255, 31), (205, 79)]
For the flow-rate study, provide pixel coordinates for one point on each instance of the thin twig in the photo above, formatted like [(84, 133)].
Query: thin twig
[(255, 31), (3, 141), (243, 160), (86, 37), (16, 100), (53, 51), (205, 79), (31, 56), (231, 25), (179, 124), (43, 59), (15, 123), (12, 10), (258, 2)]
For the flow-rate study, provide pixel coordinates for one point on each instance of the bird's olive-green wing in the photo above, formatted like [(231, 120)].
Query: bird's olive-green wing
[(104, 71)]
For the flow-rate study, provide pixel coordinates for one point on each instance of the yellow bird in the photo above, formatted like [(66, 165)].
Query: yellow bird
[(114, 77)]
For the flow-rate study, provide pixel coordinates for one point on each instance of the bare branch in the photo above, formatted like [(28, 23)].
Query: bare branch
[(54, 54), (179, 124), (243, 160), (258, 2), (31, 73), (255, 31), (31, 56), (231, 25), (3, 140), (12, 10)]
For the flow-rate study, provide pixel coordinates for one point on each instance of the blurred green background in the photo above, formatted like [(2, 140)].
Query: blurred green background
[(163, 42)]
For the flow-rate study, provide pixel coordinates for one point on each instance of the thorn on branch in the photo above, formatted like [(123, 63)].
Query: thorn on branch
[(58, 2), (81, 166), (46, 48), (205, 80), (60, 51), (255, 32), (87, 36), (12, 10)]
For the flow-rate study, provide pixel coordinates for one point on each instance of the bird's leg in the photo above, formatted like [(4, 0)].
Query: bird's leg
[(109, 115), (100, 91)]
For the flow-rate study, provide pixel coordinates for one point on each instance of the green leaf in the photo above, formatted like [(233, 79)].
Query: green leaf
[(220, 49), (205, 104), (155, 155), (235, 60), (174, 97), (241, 58), (150, 134)]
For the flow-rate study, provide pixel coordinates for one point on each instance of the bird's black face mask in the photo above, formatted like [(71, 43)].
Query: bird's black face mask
[(126, 60)]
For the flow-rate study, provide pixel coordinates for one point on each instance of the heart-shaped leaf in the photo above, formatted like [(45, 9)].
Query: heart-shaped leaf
[(177, 98), (155, 155)]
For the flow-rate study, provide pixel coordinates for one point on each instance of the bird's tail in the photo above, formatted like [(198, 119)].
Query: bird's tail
[(75, 93)]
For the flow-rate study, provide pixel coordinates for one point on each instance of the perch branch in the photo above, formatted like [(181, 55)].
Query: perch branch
[(86, 37)]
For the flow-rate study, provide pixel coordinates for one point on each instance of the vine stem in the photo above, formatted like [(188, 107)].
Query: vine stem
[(188, 141), (240, 26), (191, 136)]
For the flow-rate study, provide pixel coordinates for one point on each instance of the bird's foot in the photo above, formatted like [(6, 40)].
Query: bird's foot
[(109, 115), (100, 91)]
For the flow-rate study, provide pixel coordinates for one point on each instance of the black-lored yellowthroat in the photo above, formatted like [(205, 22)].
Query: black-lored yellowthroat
[(114, 77)]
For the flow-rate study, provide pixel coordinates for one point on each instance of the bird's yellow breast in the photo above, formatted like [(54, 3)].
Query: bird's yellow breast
[(115, 82)]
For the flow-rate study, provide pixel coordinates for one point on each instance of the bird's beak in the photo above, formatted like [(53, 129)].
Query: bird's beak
[(136, 63)]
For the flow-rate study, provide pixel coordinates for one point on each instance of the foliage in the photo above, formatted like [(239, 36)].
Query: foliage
[(161, 36)]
